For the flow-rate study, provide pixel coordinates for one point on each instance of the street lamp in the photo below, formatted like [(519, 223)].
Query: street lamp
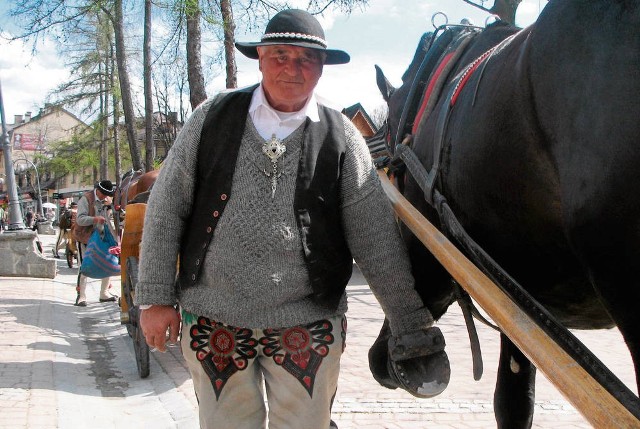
[(15, 213), (22, 169)]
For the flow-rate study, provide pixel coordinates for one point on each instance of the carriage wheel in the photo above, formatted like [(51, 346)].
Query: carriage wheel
[(133, 326)]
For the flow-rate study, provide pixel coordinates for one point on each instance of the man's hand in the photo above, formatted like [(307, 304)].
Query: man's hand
[(155, 321), (99, 220)]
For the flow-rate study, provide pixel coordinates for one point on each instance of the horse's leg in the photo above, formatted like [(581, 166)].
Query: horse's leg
[(514, 397), (61, 233), (612, 257), (617, 284)]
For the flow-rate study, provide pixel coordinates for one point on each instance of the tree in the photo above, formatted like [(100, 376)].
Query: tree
[(229, 28), (125, 86), (62, 20), (379, 115), (148, 96), (197, 92), (505, 9)]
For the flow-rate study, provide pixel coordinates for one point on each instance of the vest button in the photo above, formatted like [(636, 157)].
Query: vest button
[(197, 262), (216, 213), (223, 197), (193, 277), (209, 230), (204, 245)]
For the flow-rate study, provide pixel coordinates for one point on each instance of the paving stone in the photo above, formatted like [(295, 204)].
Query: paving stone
[(63, 366)]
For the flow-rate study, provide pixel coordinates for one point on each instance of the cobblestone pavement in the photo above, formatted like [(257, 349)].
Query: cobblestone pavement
[(63, 366)]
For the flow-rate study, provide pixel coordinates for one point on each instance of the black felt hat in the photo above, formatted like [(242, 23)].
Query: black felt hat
[(106, 187), (294, 27)]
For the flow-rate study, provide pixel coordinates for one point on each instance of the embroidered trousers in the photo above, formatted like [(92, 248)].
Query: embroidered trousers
[(232, 369)]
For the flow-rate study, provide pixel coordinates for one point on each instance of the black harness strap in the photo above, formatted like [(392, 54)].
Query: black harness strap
[(452, 227)]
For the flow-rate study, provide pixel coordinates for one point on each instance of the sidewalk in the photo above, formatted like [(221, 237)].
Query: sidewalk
[(63, 366)]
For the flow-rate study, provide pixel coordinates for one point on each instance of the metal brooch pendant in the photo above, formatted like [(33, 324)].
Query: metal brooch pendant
[(274, 149)]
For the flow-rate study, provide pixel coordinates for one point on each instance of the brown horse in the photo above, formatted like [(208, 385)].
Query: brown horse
[(135, 184)]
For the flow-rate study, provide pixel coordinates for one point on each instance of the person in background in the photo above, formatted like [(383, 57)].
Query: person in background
[(28, 218), (36, 220), (273, 195), (67, 220), (94, 211), (3, 219)]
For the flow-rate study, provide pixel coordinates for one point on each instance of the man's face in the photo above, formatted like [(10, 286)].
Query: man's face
[(103, 197), (289, 75)]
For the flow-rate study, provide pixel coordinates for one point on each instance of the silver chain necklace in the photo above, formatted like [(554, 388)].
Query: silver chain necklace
[(274, 149)]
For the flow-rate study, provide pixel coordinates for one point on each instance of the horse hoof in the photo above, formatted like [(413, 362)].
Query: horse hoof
[(424, 376)]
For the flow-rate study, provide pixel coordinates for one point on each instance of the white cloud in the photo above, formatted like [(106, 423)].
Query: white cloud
[(27, 80)]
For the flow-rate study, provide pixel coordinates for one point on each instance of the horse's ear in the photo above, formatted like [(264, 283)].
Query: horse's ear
[(385, 87)]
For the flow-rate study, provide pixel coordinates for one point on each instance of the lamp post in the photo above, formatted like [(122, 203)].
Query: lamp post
[(15, 212), (21, 169)]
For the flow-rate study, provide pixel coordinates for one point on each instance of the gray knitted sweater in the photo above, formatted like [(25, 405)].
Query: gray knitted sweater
[(254, 274)]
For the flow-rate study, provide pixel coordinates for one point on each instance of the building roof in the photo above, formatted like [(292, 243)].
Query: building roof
[(352, 111), (361, 119), (52, 124), (49, 109)]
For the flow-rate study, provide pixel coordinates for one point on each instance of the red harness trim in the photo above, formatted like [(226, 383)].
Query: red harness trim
[(471, 68), (428, 92)]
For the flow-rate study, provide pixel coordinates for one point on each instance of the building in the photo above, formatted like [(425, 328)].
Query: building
[(360, 119), (166, 127), (30, 139)]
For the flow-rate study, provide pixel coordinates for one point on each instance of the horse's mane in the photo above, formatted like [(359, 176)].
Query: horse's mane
[(129, 173), (427, 42), (421, 51)]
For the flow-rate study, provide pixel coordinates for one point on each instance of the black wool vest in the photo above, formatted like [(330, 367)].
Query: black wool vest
[(316, 201)]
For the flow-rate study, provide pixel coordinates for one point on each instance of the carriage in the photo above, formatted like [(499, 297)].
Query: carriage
[(129, 312), (131, 198)]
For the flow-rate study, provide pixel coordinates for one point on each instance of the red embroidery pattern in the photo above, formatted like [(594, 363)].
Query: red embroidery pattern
[(343, 333), (299, 350), (222, 350)]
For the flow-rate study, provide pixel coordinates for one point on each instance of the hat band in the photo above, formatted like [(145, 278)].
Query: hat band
[(105, 190), (315, 39)]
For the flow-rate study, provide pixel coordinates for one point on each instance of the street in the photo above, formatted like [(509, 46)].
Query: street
[(63, 366)]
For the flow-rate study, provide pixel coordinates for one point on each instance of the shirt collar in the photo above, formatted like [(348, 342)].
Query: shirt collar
[(259, 101)]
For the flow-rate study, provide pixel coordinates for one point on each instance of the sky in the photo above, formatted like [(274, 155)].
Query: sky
[(385, 33)]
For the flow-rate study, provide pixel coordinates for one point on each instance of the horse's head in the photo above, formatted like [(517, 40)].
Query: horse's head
[(396, 98)]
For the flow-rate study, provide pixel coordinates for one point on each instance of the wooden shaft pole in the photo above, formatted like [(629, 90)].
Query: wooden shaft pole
[(598, 406)]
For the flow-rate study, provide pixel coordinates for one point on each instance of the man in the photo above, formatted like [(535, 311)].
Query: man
[(64, 225), (94, 211), (3, 216), (28, 218), (272, 195)]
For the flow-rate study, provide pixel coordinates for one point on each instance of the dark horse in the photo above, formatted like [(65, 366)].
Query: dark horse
[(536, 147)]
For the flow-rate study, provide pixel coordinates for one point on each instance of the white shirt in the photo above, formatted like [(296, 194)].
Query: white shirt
[(269, 121)]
